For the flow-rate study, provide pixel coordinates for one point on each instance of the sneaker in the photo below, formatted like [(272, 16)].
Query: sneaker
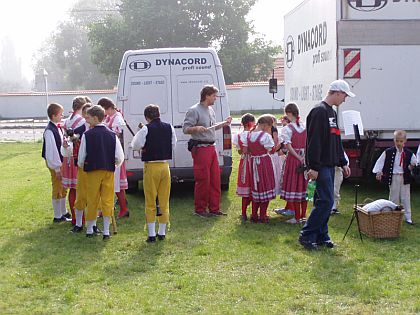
[(76, 229), (335, 211), (266, 219), (96, 230), (161, 237), (202, 214), (410, 222), (292, 221), (67, 215), (89, 235), (151, 239), (307, 244), (217, 213), (61, 219), (106, 237), (285, 212)]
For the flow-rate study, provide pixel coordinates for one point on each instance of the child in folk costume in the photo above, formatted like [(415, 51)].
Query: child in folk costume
[(275, 155), (294, 183), (100, 152), (69, 152), (52, 140), (157, 141), (259, 143), (244, 173), (81, 188), (115, 121), (393, 168)]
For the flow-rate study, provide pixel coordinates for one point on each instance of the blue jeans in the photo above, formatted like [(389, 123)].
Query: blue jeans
[(316, 228)]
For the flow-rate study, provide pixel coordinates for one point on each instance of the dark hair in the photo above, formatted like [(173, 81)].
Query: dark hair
[(96, 111), (294, 110), (247, 118), (53, 109), (88, 99), (86, 107), (151, 111), (106, 103), (266, 119), (78, 102), (207, 90)]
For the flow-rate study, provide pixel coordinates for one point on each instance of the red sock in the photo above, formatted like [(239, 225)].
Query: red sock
[(296, 206), (123, 203), (304, 205), (255, 206), (72, 200), (245, 203), (83, 219), (263, 211)]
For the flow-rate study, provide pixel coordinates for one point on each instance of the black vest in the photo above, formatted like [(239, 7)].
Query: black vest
[(389, 166), (158, 144), (100, 149), (57, 137)]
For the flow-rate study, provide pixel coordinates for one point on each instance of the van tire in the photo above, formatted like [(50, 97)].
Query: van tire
[(225, 187), (133, 186)]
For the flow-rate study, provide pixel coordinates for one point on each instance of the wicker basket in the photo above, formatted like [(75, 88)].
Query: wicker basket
[(382, 224)]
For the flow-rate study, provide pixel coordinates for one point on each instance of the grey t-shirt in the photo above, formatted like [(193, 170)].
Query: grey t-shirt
[(200, 115)]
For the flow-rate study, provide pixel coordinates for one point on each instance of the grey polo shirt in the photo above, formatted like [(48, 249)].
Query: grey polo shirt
[(200, 115)]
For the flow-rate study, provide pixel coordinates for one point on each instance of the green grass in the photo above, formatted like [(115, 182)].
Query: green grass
[(211, 266)]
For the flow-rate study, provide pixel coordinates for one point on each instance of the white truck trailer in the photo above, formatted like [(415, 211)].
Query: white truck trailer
[(372, 44)]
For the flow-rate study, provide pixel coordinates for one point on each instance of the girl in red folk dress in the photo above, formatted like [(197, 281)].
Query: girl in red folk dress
[(244, 173), (259, 144), (115, 121), (70, 151), (294, 183)]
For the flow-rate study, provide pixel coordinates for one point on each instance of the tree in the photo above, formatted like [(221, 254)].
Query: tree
[(66, 55), (221, 24)]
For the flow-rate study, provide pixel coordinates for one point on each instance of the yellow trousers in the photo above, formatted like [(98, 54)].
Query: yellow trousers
[(81, 190), (58, 191), (99, 191), (156, 183)]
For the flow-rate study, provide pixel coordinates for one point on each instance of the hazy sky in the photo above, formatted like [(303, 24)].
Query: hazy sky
[(30, 22)]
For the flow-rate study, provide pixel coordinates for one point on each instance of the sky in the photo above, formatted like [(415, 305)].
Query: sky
[(30, 22)]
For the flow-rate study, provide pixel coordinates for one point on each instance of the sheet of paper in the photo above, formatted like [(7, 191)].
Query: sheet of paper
[(350, 118)]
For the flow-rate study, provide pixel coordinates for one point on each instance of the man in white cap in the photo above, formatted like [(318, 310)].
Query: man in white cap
[(324, 151)]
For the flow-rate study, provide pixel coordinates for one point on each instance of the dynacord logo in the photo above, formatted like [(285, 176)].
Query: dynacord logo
[(290, 51), (181, 61), (367, 5), (140, 65)]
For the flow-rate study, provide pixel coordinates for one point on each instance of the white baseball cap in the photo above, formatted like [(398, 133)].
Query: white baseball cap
[(342, 86)]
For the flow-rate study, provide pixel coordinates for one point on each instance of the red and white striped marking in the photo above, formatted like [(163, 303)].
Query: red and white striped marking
[(352, 63)]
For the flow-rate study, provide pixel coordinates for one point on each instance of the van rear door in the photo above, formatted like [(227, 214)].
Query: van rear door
[(189, 73), (145, 83)]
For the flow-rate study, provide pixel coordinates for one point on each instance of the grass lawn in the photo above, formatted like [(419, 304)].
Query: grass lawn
[(211, 266)]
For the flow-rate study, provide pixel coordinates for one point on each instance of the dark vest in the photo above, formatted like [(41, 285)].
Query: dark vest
[(100, 149), (389, 166), (57, 137), (158, 144)]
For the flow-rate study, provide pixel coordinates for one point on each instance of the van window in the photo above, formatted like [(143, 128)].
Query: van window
[(148, 90), (188, 89)]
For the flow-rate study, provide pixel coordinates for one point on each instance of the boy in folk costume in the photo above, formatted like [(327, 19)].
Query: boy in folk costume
[(100, 152), (393, 168), (259, 143), (69, 153), (294, 183), (157, 141), (53, 137), (115, 121), (81, 188), (244, 172)]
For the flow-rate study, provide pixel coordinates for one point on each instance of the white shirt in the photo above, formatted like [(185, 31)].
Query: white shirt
[(242, 135), (70, 122), (139, 139), (398, 169), (117, 124), (119, 153), (287, 132), (418, 154), (52, 155), (266, 139)]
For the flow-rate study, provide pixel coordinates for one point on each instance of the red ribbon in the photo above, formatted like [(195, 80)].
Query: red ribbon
[(402, 158)]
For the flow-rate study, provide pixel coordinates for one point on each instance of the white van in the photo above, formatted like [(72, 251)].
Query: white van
[(171, 78)]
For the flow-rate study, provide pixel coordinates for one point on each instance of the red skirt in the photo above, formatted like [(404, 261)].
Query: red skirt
[(244, 177), (69, 173), (262, 178), (120, 178), (294, 184)]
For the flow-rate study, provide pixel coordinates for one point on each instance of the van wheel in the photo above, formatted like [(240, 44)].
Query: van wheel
[(132, 187), (225, 187)]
